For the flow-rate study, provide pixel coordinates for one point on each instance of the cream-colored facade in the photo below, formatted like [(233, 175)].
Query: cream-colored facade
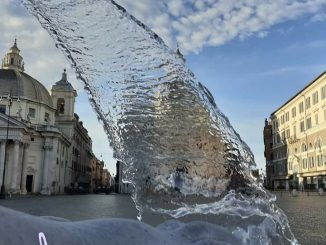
[(299, 139), (44, 147)]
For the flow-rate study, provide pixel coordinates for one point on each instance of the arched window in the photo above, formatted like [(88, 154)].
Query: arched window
[(61, 106), (11, 61), (303, 148), (318, 144)]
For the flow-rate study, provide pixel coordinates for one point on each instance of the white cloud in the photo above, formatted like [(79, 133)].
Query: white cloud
[(46, 63), (320, 17), (196, 24), (41, 57)]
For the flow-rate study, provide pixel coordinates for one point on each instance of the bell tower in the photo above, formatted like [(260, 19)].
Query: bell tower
[(13, 60), (63, 96)]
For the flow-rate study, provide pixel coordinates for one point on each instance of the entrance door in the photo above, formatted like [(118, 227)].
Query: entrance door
[(29, 183)]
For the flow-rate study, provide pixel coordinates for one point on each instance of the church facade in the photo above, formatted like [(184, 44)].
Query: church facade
[(44, 148)]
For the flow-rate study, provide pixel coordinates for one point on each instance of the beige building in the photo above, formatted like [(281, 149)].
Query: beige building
[(106, 178), (101, 177), (295, 150), (97, 172)]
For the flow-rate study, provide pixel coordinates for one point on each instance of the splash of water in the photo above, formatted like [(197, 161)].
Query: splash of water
[(182, 154)]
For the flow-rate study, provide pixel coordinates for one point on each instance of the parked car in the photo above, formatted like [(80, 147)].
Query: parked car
[(76, 190), (102, 189)]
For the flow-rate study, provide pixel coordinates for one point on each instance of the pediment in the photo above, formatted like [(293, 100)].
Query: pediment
[(13, 123)]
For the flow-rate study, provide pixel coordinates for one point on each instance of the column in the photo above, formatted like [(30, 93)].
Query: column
[(45, 186), (2, 159), (24, 171), (13, 185)]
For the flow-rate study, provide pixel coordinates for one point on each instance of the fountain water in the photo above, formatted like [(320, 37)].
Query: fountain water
[(181, 152)]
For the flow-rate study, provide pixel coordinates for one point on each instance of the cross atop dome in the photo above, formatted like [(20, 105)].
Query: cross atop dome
[(15, 45), (64, 76), (13, 60)]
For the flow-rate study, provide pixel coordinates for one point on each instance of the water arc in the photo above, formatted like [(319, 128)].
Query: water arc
[(182, 154)]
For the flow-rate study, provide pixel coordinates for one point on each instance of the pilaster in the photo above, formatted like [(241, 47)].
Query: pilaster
[(2, 159), (13, 186), (45, 185)]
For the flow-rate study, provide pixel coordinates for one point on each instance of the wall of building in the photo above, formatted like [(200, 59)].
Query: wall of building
[(299, 139)]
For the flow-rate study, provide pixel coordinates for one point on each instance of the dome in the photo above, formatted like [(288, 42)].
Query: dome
[(23, 86)]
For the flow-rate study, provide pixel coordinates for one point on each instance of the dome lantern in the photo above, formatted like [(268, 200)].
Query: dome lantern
[(13, 59)]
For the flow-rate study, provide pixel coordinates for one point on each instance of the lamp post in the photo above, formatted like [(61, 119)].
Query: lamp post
[(3, 194)]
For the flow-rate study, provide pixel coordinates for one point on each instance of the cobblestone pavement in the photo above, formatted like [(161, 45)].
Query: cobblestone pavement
[(76, 207), (307, 216)]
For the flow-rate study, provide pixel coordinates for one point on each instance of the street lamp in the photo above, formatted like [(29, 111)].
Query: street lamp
[(3, 194)]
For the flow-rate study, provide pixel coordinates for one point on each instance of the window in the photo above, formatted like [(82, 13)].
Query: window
[(303, 148), (316, 119), (323, 92), (282, 119), (288, 133), (311, 162), (315, 98), (46, 117), (3, 109), (319, 159), (280, 168), (318, 144), (304, 163), (294, 112), (302, 126), (307, 103), (283, 135), (301, 107), (11, 61), (274, 124), (61, 106), (31, 112), (287, 116), (294, 131), (278, 138), (308, 121)]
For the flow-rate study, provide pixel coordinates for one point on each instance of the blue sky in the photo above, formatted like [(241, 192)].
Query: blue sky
[(251, 78), (252, 55)]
